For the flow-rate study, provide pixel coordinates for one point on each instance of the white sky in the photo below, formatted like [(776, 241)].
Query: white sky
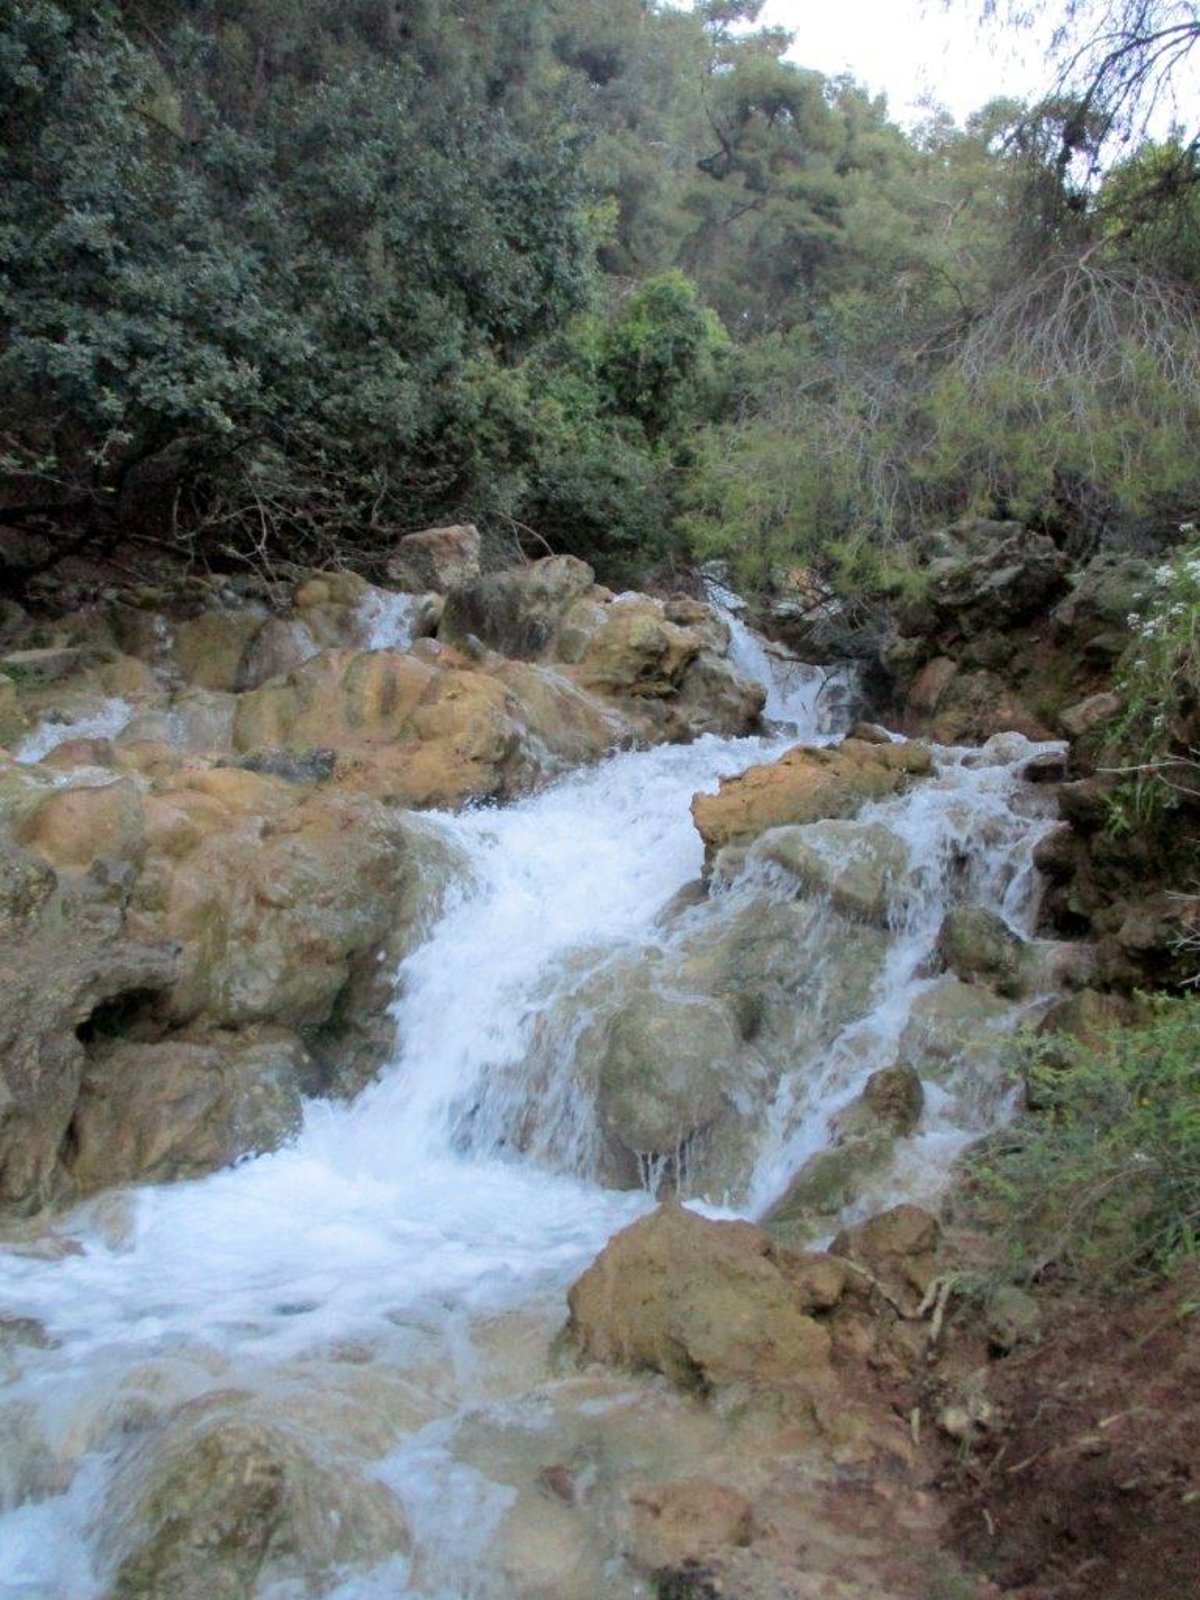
[(911, 50)]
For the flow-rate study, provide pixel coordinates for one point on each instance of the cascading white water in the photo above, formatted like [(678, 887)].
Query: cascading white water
[(399, 1221), (807, 698), (105, 722)]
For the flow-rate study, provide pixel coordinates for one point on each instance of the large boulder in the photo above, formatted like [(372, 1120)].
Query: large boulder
[(1015, 577), (436, 558), (707, 1304), (218, 1503), (518, 611), (64, 963), (667, 1069), (859, 865), (181, 1107), (807, 784)]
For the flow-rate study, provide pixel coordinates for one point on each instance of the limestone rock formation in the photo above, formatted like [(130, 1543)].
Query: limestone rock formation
[(806, 785), (707, 1304)]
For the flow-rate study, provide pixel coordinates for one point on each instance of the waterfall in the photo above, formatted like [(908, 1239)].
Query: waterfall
[(461, 1187)]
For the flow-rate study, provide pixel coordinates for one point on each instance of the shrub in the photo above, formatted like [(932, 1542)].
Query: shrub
[(1103, 1184)]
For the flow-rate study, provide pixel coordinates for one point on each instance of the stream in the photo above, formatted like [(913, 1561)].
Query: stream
[(386, 1288)]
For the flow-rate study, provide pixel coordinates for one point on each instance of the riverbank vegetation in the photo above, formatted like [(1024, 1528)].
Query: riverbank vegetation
[(282, 280)]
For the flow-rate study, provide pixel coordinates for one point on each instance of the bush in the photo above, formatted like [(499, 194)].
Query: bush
[(1103, 1184), (1153, 744)]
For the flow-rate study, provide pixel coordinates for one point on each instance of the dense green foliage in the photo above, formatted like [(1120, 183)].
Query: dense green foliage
[(1103, 1183), (290, 276)]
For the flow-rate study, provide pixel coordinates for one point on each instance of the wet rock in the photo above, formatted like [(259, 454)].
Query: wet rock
[(806, 785), (665, 1072), (183, 1106), (705, 1303), (858, 865), (714, 697), (978, 946), (864, 1134), (42, 666), (218, 1503), (436, 558)]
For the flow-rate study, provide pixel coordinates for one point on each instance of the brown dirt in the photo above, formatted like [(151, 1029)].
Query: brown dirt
[(1090, 1483)]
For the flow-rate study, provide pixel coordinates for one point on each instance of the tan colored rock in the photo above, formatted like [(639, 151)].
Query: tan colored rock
[(210, 648), (636, 651), (1091, 715), (930, 685), (898, 1248), (806, 785), (183, 1106), (684, 1521), (219, 1500), (705, 1303), (74, 827), (518, 611), (436, 558)]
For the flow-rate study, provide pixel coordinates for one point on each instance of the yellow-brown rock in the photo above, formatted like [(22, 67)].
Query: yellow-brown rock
[(637, 651), (210, 648), (805, 785), (74, 827), (705, 1303)]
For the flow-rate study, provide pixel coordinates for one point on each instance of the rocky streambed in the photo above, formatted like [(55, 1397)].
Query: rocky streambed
[(452, 1053)]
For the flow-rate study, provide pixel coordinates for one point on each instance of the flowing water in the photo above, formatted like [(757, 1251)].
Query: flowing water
[(406, 1257)]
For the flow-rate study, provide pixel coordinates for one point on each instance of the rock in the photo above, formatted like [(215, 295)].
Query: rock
[(705, 1303), (210, 649), (1091, 715), (636, 651), (1101, 599), (42, 666), (424, 735), (806, 785), (271, 894), (74, 827), (978, 946), (1012, 1318), (519, 611), (198, 721), (958, 1035), (678, 1522), (13, 721), (279, 646), (217, 1504), (929, 687), (293, 766), (714, 697), (856, 864), (61, 964), (664, 1073), (898, 1248), (892, 1100), (864, 1133), (183, 1106), (436, 558), (1016, 576)]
